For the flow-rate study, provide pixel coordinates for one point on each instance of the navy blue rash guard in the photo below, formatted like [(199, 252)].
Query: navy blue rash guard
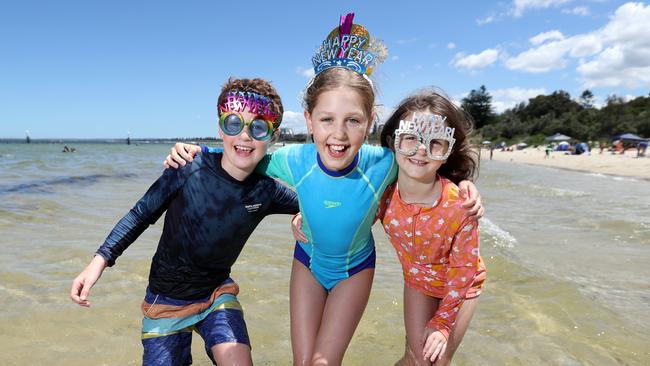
[(210, 215)]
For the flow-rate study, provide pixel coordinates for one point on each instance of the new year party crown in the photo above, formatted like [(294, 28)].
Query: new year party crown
[(239, 101), (351, 46)]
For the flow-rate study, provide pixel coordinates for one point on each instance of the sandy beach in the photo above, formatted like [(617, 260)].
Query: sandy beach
[(627, 165)]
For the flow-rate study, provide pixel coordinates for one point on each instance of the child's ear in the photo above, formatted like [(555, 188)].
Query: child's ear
[(307, 115), (220, 132), (374, 118), (275, 137)]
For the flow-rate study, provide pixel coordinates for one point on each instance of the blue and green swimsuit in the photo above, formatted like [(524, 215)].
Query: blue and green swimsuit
[(338, 207)]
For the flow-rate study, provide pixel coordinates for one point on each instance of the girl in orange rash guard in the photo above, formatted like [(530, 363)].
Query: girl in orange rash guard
[(436, 243)]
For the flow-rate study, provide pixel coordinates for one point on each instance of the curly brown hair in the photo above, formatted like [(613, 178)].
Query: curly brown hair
[(259, 86), (463, 162), (337, 77)]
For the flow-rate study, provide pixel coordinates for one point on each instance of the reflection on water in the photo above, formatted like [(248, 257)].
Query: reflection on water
[(566, 254)]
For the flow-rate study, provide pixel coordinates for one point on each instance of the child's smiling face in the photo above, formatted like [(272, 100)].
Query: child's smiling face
[(339, 125), (418, 166)]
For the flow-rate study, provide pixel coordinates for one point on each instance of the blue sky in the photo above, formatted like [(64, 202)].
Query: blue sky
[(90, 69)]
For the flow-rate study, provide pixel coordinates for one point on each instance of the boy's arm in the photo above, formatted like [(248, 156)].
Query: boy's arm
[(144, 213), (82, 284)]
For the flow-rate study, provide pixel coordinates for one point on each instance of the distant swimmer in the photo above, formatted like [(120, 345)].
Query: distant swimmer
[(68, 149)]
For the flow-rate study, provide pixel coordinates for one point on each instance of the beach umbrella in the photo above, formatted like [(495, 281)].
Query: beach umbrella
[(558, 137), (629, 137)]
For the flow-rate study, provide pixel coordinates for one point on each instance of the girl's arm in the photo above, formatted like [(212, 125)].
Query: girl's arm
[(275, 165), (181, 154), (473, 203), (462, 267), (384, 202)]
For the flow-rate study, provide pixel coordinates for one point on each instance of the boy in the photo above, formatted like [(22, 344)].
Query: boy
[(205, 230)]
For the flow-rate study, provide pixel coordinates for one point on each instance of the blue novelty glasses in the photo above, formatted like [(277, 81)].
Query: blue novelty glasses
[(232, 124)]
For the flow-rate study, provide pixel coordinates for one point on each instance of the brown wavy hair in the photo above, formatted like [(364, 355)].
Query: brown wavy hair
[(463, 162), (259, 86), (337, 77)]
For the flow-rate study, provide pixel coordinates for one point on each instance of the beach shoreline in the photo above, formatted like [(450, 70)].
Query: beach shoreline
[(622, 165)]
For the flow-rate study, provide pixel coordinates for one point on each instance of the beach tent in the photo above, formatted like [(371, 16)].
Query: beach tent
[(629, 137), (581, 148), (558, 137), (563, 146)]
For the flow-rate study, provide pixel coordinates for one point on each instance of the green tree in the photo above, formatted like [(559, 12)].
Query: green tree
[(587, 99), (556, 104), (479, 105)]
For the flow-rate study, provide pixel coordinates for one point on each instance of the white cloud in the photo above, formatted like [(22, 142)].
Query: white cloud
[(520, 6), (307, 72), (585, 45), (503, 99), (553, 35), (405, 41), (476, 61), (451, 45), (616, 55), (395, 58), (486, 20), (295, 120), (578, 10), (547, 57)]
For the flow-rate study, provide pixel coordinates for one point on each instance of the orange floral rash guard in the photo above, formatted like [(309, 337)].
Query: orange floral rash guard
[(438, 248)]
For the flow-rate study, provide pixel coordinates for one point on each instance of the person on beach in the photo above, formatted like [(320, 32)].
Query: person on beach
[(339, 181), (436, 243), (204, 232)]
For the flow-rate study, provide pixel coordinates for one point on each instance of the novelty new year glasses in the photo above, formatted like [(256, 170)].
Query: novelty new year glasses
[(428, 130), (232, 124)]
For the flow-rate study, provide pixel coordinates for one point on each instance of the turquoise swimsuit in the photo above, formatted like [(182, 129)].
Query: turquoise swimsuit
[(338, 207)]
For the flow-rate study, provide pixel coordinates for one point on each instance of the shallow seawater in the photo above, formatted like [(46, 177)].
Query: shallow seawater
[(566, 253)]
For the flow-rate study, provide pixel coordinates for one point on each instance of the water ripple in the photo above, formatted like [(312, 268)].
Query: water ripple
[(43, 186)]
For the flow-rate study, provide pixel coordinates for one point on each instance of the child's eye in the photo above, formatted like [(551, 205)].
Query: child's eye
[(326, 119), (354, 120)]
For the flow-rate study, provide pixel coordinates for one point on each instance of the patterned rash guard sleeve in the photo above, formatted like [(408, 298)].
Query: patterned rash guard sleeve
[(462, 267), (145, 212), (384, 202)]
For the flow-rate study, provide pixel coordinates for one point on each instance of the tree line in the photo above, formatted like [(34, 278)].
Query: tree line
[(545, 115)]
